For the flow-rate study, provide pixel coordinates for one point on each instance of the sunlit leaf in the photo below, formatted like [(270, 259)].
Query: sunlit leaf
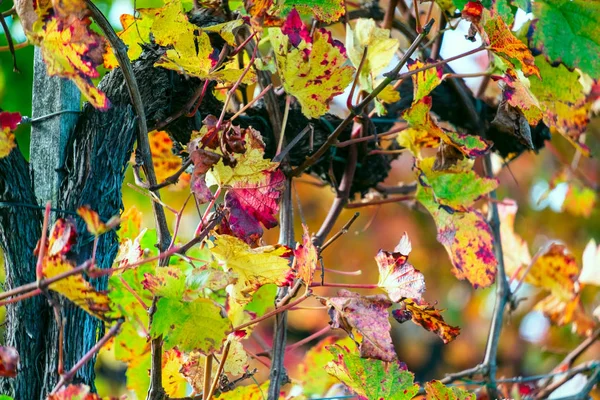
[(369, 316), (306, 257), (371, 379), (514, 248), (425, 81), (312, 71), (252, 267), (555, 270), (564, 21), (562, 98), (380, 52), (196, 325), (396, 275), (254, 203), (425, 315), (136, 31)]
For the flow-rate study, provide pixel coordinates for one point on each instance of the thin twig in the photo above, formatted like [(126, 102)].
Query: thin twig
[(341, 232), (88, 356), (217, 377), (173, 179), (11, 45)]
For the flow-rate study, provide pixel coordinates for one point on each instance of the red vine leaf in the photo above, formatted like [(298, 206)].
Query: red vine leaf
[(369, 316)]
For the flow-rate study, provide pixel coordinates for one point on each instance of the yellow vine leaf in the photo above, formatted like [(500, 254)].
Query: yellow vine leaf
[(380, 50), (311, 68), (554, 270), (253, 267), (69, 47), (165, 162)]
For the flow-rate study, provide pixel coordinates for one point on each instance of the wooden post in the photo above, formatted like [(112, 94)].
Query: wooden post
[(49, 137)]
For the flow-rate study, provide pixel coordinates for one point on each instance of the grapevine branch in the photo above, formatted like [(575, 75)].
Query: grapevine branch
[(156, 390)]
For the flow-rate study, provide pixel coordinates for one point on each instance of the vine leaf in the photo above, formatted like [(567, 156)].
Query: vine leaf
[(74, 391), (499, 38), (306, 257), (253, 203), (70, 48), (165, 162), (240, 166), (380, 52), (310, 370), (9, 361), (436, 390), (425, 81), (580, 200), (193, 367), (590, 271), (424, 132), (562, 312), (562, 21), (253, 268), (467, 238), (563, 100), (425, 315), (174, 382), (62, 238), (8, 124), (369, 316), (514, 248), (517, 93), (195, 325), (267, 13), (555, 270), (92, 220), (136, 31), (396, 275), (311, 68), (371, 379)]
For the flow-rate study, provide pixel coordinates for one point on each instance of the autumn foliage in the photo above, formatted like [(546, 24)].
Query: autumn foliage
[(181, 311)]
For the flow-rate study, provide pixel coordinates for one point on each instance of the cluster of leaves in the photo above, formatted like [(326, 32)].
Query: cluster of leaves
[(201, 301)]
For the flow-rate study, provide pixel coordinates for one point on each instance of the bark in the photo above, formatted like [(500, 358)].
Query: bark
[(20, 229)]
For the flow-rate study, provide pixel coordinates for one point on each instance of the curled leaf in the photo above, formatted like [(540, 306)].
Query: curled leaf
[(368, 315), (425, 315)]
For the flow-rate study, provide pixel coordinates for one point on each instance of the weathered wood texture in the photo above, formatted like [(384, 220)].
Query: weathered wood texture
[(20, 229)]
